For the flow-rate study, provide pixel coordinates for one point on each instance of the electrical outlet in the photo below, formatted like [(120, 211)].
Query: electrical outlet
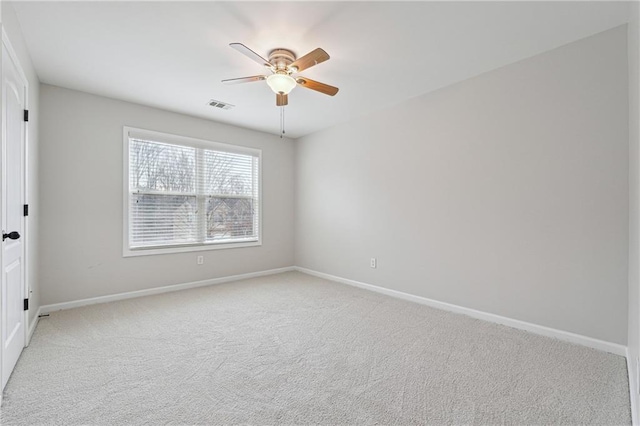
[(374, 262), (200, 260)]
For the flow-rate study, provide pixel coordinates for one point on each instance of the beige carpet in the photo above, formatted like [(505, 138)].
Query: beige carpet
[(294, 349)]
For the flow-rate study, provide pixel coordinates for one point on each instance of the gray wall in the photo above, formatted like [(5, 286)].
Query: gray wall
[(12, 28), (633, 340), (81, 192), (506, 193)]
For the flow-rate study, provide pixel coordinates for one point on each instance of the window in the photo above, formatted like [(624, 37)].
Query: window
[(185, 194)]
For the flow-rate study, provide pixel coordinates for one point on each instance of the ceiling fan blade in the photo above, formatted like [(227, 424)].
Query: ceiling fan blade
[(282, 99), (310, 59), (317, 86), (250, 54), (244, 79)]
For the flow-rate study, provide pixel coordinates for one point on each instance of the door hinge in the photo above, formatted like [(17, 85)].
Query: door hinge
[(25, 210), (26, 115), (26, 304)]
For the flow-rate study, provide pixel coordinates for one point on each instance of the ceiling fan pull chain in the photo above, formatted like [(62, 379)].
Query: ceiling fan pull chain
[(281, 121)]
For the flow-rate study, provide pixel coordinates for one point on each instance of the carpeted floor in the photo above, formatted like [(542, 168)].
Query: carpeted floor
[(295, 349)]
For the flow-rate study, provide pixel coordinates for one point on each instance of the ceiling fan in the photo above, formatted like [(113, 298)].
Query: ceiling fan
[(283, 64)]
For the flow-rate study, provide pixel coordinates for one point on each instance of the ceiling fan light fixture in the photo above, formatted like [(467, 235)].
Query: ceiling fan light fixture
[(281, 83)]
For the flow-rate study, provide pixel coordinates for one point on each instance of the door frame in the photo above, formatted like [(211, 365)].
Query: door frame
[(6, 44)]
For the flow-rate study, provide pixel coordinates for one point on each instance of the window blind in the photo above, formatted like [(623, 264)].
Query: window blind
[(184, 194)]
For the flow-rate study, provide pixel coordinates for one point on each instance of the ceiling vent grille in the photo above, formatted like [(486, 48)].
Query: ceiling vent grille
[(219, 104)]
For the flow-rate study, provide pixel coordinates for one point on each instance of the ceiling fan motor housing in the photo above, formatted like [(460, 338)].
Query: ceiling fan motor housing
[(281, 59)]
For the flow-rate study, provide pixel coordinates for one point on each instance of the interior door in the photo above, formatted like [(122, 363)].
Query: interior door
[(13, 250)]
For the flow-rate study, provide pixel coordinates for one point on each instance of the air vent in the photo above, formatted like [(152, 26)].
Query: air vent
[(221, 105)]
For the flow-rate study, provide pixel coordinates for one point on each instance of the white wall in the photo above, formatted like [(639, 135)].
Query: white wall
[(12, 28), (633, 339), (81, 192), (506, 193)]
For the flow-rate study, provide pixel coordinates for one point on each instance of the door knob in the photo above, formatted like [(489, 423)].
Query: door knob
[(11, 235)]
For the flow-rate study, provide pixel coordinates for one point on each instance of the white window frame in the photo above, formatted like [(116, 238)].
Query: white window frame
[(128, 132)]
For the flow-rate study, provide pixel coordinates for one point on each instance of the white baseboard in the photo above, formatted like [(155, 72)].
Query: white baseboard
[(633, 386), (45, 309), (590, 342), (602, 345), (33, 325)]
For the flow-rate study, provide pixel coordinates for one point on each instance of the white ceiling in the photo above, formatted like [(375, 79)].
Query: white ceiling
[(172, 55)]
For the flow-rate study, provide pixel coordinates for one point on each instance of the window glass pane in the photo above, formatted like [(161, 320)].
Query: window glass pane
[(227, 173), (162, 220), (230, 218), (157, 166), (190, 195)]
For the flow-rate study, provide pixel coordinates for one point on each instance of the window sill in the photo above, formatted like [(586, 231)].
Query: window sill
[(128, 252)]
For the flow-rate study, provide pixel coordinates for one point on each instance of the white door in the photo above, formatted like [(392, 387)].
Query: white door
[(13, 151)]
